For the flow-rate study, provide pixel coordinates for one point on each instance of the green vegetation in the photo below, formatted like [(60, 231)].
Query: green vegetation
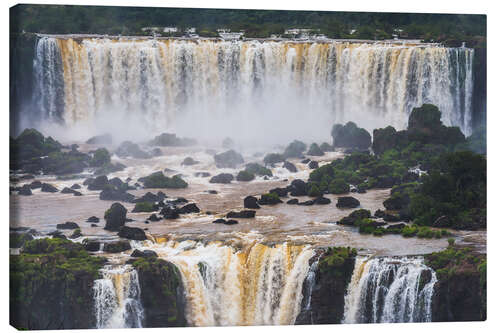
[(295, 150), (350, 136), (258, 169), (159, 180), (142, 207), (315, 150), (245, 176), (273, 158), (336, 256), (100, 158)]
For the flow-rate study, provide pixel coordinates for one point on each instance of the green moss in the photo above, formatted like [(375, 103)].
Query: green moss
[(258, 169), (245, 176), (159, 180), (100, 158), (314, 191), (142, 207)]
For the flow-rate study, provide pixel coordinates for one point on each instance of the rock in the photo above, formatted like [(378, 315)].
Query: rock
[(221, 221), (244, 214), (202, 174), (289, 166), (250, 202), (130, 149), (148, 197), (112, 194), (228, 159), (76, 234), (115, 217), (313, 165), (269, 199), (117, 246), (384, 139), (350, 136), (397, 226), (170, 213), (223, 178), (25, 190), (189, 208), (145, 207), (396, 202), (49, 188), (153, 218), (293, 202), (298, 188), (212, 192), (132, 233), (93, 219), (305, 161), (189, 161), (67, 226), (257, 169), (104, 139), (347, 202), (100, 158), (97, 184), (93, 225), (118, 184), (314, 150), (391, 218), (230, 222), (245, 176), (36, 184), (322, 201), (144, 254), (280, 191), (179, 200), (91, 246), (306, 203), (57, 234), (295, 150), (171, 140), (228, 143), (326, 147), (356, 215)]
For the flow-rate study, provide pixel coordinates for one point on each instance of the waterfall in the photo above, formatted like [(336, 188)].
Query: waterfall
[(170, 82), (117, 298), (389, 290), (253, 285)]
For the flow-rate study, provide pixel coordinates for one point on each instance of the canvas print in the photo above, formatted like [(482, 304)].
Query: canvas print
[(219, 167)]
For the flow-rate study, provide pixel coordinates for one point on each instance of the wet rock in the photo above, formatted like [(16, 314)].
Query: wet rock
[(306, 161), (221, 221), (67, 190), (306, 203), (77, 233), (189, 161), (289, 166), (171, 140), (93, 219), (202, 174), (280, 191), (358, 214), (273, 158), (113, 194), (391, 218), (292, 202), (179, 200), (314, 150), (189, 208), (269, 199), (347, 202), (148, 197), (350, 136), (67, 226), (212, 192), (170, 213), (231, 222), (57, 234), (104, 139), (115, 217), (228, 159), (244, 214), (48, 188), (298, 188), (36, 184), (117, 246), (93, 225), (396, 226), (313, 165), (97, 184), (154, 218), (322, 201), (156, 152), (144, 254), (245, 176), (132, 233), (295, 149), (91, 246), (250, 202), (25, 190), (130, 149), (379, 213), (223, 178)]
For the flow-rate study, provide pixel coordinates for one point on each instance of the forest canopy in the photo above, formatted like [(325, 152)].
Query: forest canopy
[(60, 19)]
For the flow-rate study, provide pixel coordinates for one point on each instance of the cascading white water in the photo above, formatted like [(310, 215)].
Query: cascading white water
[(192, 84), (255, 285), (117, 298), (389, 290)]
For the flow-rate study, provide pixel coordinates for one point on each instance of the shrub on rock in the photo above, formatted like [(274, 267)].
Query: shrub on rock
[(269, 199), (347, 202), (223, 178), (228, 159), (130, 149), (350, 136), (245, 176), (100, 158), (117, 246), (159, 180), (258, 169), (115, 217), (273, 158), (314, 150), (295, 150), (338, 186), (144, 207)]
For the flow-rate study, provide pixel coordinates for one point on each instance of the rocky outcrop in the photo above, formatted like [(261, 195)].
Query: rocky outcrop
[(162, 293), (132, 233), (115, 217), (350, 136), (250, 202), (228, 159), (347, 202), (222, 178)]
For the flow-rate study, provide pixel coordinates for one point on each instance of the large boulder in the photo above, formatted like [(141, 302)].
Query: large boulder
[(245, 176), (350, 136), (159, 180), (290, 166), (67, 226), (117, 246), (25, 190), (273, 158), (130, 149), (97, 184), (132, 233), (257, 169), (170, 213), (228, 159), (315, 150), (250, 202), (298, 188), (105, 139), (189, 208), (188, 161), (115, 217), (244, 214), (170, 139), (49, 188), (269, 199), (347, 202), (144, 254), (223, 178), (110, 193)]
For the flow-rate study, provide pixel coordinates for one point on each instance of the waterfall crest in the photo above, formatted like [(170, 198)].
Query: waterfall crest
[(117, 298), (389, 290), (171, 82), (254, 285)]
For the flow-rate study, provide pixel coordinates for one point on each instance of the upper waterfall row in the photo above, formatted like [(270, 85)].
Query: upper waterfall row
[(161, 81)]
